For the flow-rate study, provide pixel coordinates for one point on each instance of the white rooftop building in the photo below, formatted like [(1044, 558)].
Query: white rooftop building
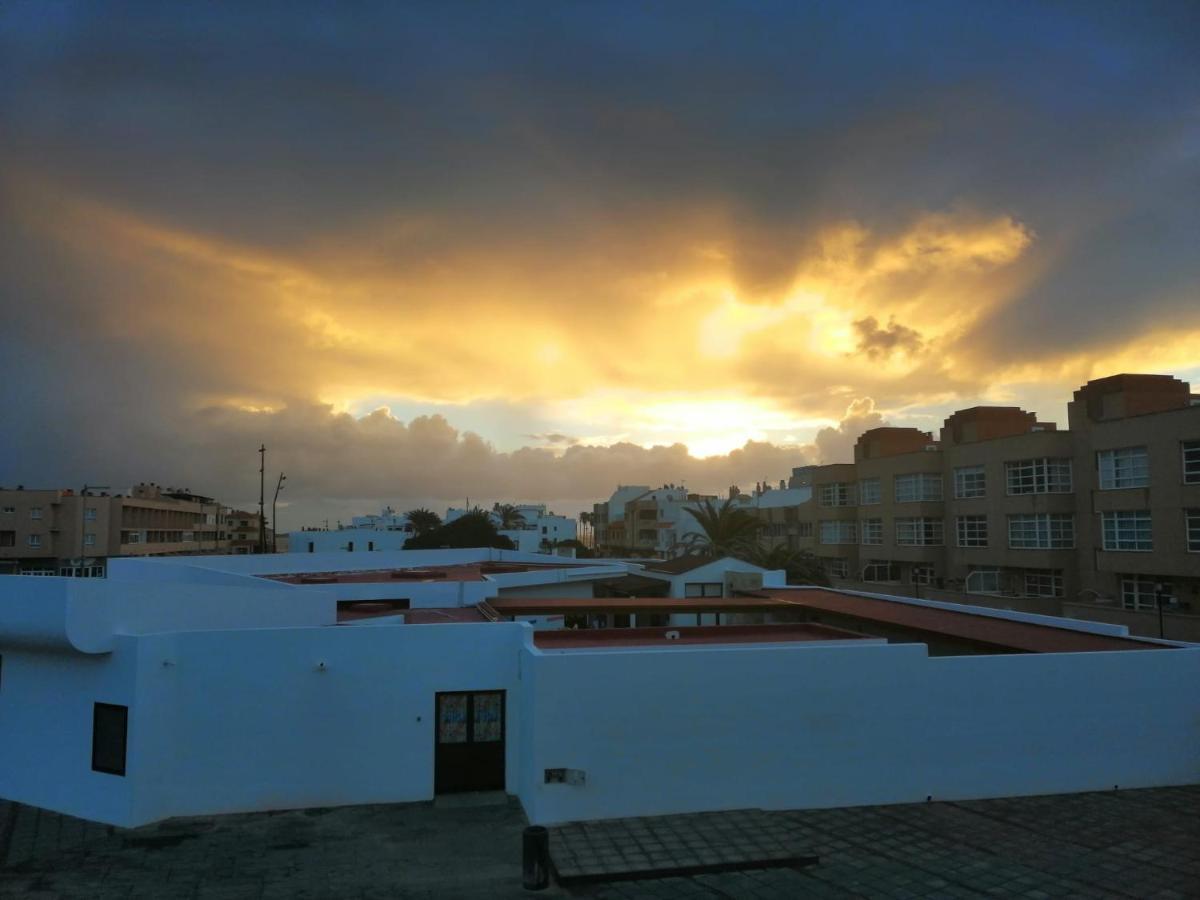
[(200, 685)]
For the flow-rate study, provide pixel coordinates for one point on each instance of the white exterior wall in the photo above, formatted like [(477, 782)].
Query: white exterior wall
[(688, 730)]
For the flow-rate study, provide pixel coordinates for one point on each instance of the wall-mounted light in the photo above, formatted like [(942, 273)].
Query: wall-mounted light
[(320, 667)]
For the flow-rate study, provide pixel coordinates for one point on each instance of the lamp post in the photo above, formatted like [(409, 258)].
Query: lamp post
[(274, 520), (1160, 599)]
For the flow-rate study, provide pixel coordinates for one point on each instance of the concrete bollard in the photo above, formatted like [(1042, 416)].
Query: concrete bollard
[(535, 858)]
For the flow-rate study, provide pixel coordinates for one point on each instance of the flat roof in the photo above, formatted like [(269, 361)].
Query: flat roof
[(980, 628), (417, 574), (1009, 634), (570, 639)]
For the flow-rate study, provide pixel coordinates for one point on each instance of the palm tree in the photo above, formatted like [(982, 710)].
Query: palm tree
[(727, 530), (801, 567), (510, 517), (423, 520)]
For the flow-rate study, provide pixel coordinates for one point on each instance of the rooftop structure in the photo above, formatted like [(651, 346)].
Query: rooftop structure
[(202, 685)]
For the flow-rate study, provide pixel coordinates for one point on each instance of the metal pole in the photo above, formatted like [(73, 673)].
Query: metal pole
[(262, 522), (274, 520), (1158, 601)]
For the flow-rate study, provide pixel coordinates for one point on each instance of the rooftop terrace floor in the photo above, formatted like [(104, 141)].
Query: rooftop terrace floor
[(1124, 844)]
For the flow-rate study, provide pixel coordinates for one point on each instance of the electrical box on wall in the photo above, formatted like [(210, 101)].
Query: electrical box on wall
[(566, 776)]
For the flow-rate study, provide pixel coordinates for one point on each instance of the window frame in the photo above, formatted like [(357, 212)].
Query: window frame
[(97, 764), (930, 530), (961, 475), (920, 481), (874, 497), (1045, 525), (1113, 465), (1191, 530), (875, 530), (960, 532), (1189, 461), (1143, 516), (1044, 476)]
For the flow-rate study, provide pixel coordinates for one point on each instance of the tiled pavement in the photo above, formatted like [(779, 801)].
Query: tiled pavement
[(623, 847), (1127, 844)]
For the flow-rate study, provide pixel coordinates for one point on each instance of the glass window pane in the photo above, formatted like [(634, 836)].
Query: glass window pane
[(488, 718), (452, 719)]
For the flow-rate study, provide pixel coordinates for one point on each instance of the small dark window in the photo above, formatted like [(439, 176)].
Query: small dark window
[(370, 545), (350, 547), (310, 546), (110, 730)]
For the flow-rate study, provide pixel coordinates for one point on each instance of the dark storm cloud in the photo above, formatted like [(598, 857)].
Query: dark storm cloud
[(350, 140)]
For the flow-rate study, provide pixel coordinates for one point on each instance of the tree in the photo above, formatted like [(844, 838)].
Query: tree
[(727, 530), (510, 517), (473, 529), (423, 520), (801, 567)]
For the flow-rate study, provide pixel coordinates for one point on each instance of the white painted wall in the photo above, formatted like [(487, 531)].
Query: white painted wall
[(686, 730), (46, 701)]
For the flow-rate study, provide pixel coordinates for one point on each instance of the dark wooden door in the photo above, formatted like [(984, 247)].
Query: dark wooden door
[(469, 742)]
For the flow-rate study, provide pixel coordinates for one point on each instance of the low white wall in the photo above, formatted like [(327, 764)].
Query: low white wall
[(815, 726), (245, 720), (46, 704)]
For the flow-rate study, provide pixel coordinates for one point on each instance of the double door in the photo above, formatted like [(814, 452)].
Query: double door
[(469, 749)]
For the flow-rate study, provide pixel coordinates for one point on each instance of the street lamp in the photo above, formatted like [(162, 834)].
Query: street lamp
[(1161, 599)]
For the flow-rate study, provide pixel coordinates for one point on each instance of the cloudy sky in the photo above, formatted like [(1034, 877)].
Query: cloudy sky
[(528, 251)]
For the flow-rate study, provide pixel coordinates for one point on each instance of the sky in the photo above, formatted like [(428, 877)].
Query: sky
[(530, 251)]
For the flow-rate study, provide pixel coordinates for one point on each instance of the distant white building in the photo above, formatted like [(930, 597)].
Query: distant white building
[(541, 531)]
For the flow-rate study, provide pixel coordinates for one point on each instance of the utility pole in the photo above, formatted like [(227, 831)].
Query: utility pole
[(262, 522), (274, 520)]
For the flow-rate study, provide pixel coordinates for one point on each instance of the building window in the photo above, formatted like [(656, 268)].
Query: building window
[(89, 514), (872, 531), (837, 567), (918, 486), (919, 532), (1128, 467), (1191, 462), (969, 482), (869, 492), (983, 581), (1043, 583), (89, 540), (349, 546), (840, 493), (972, 531), (1191, 519), (132, 537), (1041, 531), (35, 541), (839, 532), (804, 529), (8, 539), (1039, 476), (1141, 592), (35, 512), (921, 575), (370, 545), (110, 730), (8, 510), (1127, 530), (882, 570), (703, 589)]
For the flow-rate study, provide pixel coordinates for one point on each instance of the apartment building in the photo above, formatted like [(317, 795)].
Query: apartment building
[(650, 522), (1100, 521), (67, 532)]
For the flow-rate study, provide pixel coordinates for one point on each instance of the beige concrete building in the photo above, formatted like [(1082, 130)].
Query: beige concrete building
[(65, 532), (1101, 521)]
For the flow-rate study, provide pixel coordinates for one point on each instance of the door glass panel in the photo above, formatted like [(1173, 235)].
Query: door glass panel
[(452, 719), (487, 717)]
